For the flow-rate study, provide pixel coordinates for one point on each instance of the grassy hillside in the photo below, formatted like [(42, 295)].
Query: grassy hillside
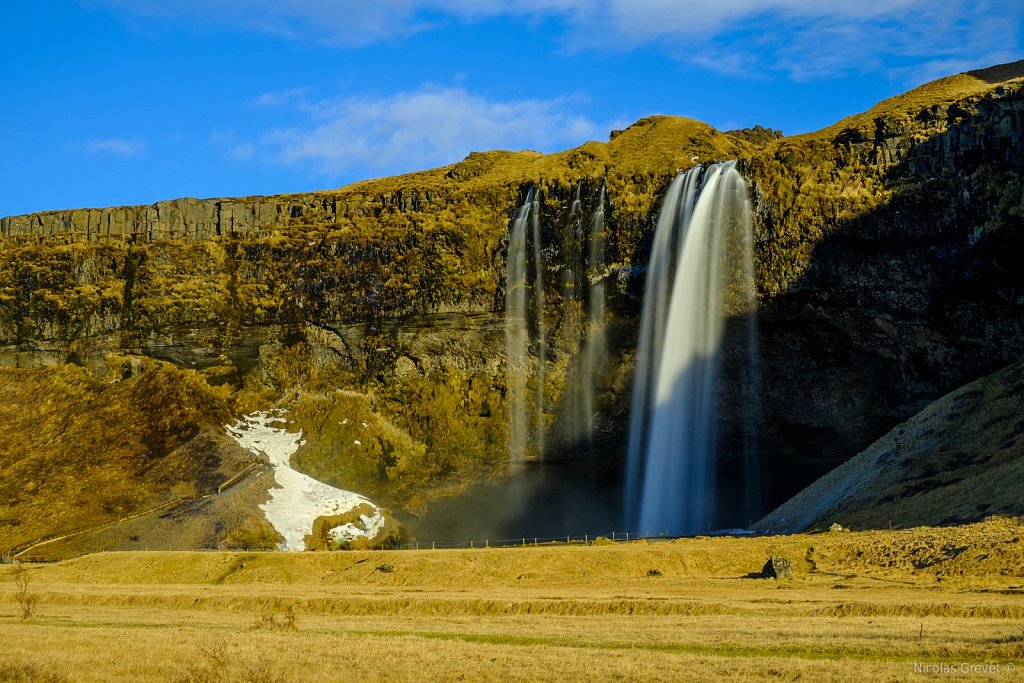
[(936, 94), (960, 458), (77, 452)]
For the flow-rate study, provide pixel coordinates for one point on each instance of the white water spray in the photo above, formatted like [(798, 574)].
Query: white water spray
[(699, 272)]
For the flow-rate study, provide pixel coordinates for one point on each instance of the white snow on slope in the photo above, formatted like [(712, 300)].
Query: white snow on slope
[(299, 498)]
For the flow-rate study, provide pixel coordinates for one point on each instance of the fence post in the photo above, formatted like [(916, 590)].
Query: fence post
[(471, 544), (487, 543), (586, 539), (524, 542), (433, 545)]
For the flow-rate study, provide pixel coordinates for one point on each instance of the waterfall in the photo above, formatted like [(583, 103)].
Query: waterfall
[(595, 349), (526, 422), (570, 424), (582, 328), (517, 334), (699, 273), (542, 347)]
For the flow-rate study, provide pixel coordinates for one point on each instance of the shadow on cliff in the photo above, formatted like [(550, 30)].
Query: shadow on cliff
[(899, 305)]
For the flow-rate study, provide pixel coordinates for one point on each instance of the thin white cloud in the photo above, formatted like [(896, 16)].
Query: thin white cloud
[(428, 127), (804, 39), (116, 146), (810, 39), (341, 22), (279, 99), (242, 152)]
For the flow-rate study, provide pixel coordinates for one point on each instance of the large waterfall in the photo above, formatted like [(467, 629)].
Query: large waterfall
[(699, 282)]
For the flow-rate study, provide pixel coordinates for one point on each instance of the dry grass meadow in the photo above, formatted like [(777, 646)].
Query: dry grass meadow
[(902, 605)]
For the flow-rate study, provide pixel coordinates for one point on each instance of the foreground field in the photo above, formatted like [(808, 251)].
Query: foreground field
[(862, 606)]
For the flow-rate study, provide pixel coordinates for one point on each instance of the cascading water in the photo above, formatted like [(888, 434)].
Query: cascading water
[(526, 422), (595, 350), (700, 272), (542, 348), (582, 328), (572, 415), (517, 339)]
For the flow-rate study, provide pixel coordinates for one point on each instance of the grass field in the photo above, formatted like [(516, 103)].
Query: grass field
[(904, 605)]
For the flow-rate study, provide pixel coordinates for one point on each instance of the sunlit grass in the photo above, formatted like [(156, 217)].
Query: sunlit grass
[(549, 613)]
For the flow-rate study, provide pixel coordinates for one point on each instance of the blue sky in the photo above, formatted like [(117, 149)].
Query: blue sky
[(110, 102)]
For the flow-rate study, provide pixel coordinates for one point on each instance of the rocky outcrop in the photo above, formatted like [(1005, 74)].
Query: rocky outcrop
[(178, 219), (887, 260), (960, 459)]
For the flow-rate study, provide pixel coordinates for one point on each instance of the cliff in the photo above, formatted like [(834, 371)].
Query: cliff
[(888, 264), (886, 250), (959, 459)]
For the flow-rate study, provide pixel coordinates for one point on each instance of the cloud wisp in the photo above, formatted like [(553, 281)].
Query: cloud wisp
[(116, 146), (803, 39), (418, 129), (279, 99)]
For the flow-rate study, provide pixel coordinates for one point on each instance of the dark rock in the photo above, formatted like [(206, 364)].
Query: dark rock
[(777, 568)]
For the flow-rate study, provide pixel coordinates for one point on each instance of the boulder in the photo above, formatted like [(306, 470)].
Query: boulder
[(777, 568)]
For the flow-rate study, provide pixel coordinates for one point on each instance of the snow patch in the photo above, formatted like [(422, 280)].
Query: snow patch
[(299, 499)]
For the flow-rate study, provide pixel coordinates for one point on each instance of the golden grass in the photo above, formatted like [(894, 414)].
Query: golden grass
[(940, 92), (547, 613)]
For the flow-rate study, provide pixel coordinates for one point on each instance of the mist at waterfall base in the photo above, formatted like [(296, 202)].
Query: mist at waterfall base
[(539, 499), (692, 463)]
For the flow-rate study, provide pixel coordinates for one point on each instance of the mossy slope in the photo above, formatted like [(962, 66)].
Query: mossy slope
[(76, 452), (959, 459)]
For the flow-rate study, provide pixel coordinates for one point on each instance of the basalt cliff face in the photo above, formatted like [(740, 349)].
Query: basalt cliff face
[(888, 263), (886, 252)]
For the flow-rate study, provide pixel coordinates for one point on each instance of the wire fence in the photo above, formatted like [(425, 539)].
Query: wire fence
[(533, 541), (611, 538)]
